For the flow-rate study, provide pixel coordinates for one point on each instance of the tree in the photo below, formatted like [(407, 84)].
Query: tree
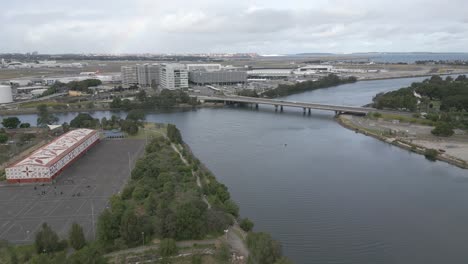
[(136, 115), (66, 127), (84, 120), (45, 117), (263, 249), (87, 255), (46, 241), (25, 125), (11, 122), (167, 247), (116, 103), (443, 129), (3, 138), (129, 126), (76, 237), (431, 154), (107, 227), (174, 134), (141, 96), (246, 225)]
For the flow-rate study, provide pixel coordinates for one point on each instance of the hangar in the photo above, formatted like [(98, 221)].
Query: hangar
[(46, 163)]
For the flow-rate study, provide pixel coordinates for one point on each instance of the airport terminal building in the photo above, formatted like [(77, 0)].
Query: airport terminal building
[(46, 163)]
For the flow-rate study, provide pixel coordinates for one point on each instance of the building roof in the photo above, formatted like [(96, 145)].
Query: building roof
[(56, 149)]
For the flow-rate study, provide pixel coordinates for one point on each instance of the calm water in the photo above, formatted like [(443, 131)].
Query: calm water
[(328, 194)]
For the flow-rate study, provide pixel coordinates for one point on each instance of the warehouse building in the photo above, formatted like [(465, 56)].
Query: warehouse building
[(46, 163), (204, 67), (218, 77)]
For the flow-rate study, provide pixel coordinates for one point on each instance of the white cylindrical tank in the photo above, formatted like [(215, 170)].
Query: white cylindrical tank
[(5, 94)]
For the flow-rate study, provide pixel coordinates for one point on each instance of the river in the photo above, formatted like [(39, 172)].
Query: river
[(328, 194)]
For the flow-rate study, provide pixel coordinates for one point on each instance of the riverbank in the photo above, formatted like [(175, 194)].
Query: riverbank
[(452, 151), (27, 111), (408, 76)]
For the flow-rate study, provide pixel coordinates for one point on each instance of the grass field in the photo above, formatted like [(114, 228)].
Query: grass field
[(151, 130)]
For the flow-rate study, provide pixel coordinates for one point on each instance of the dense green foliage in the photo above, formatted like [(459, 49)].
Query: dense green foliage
[(431, 154), (25, 125), (246, 225), (47, 241), (263, 249), (11, 122), (136, 115), (443, 129), (3, 138), (247, 92), (403, 99), (129, 126), (44, 117), (451, 93), (166, 99), (328, 81), (174, 134), (168, 247), (84, 120), (76, 237), (162, 200)]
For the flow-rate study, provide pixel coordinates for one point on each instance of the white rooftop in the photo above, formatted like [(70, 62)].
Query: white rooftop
[(48, 153)]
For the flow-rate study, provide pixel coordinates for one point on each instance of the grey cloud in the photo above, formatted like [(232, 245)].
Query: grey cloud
[(241, 26)]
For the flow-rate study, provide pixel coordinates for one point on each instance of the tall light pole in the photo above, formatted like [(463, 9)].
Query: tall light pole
[(143, 237)]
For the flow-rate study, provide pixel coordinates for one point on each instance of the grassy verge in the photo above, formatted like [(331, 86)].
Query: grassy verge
[(401, 118)]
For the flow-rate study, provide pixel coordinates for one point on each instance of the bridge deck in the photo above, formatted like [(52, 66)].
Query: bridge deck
[(251, 100)]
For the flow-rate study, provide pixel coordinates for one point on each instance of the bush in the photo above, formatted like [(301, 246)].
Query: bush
[(443, 129), (167, 247), (11, 122), (431, 154), (3, 138), (246, 225)]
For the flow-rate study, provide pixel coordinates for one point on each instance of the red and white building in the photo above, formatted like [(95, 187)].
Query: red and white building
[(46, 163)]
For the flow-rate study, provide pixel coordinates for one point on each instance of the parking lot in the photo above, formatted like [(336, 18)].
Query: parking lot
[(79, 194)]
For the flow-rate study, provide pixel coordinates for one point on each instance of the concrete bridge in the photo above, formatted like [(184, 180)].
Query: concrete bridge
[(279, 104)]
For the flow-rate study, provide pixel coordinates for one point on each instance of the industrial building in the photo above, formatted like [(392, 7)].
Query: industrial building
[(270, 73), (218, 77), (173, 76), (129, 75), (46, 163), (6, 95), (204, 67)]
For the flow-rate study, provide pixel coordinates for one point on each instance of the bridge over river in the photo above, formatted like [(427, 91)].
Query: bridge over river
[(279, 104)]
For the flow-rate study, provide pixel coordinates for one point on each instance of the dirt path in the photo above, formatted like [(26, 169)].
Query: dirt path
[(193, 173), (180, 244)]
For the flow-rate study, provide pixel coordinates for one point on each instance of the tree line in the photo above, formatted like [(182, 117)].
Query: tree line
[(165, 99), (327, 81)]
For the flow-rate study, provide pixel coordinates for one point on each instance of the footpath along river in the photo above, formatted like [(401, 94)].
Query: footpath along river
[(328, 194)]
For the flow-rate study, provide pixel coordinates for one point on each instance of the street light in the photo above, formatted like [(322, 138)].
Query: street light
[(143, 236)]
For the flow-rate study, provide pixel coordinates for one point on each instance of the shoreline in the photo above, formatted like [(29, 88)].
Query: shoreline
[(401, 144), (409, 76), (29, 111)]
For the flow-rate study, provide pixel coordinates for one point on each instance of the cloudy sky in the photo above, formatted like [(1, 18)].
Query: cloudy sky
[(262, 26)]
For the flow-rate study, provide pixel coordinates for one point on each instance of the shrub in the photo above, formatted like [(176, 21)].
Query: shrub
[(431, 154), (246, 225), (167, 247), (443, 129)]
